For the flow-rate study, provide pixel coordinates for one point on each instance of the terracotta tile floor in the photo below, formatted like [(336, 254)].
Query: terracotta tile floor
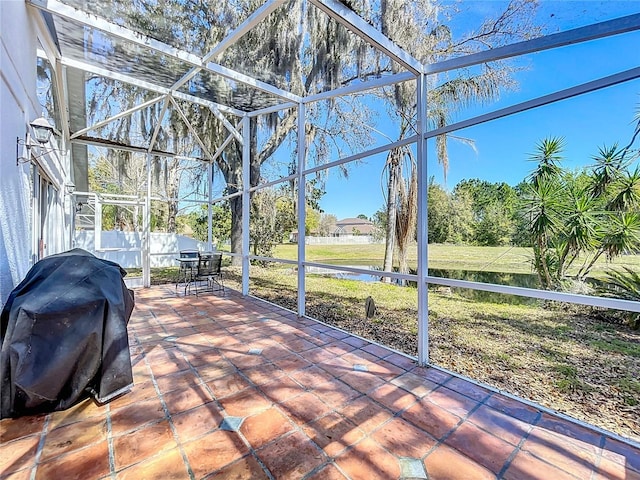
[(232, 387)]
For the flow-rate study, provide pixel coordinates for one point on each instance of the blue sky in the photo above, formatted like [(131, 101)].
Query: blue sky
[(502, 147)]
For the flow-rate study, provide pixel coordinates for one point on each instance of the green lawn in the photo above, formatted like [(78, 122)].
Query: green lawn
[(456, 257)]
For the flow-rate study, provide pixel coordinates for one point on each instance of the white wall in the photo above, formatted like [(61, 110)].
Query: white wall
[(19, 106), (124, 247)]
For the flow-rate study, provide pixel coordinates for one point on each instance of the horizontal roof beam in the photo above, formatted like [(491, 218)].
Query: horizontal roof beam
[(581, 89), (360, 27), (103, 72), (561, 39)]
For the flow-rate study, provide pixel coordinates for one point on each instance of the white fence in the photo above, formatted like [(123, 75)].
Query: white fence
[(124, 248), (341, 240)]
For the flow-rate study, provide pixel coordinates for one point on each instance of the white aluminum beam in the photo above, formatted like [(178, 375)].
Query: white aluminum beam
[(256, 17), (540, 101), (613, 303), (570, 37), (186, 121), (366, 153), (246, 203), (125, 113), (252, 82), (423, 226), (156, 130), (302, 211), (384, 81), (273, 109), (103, 72), (360, 27), (227, 124)]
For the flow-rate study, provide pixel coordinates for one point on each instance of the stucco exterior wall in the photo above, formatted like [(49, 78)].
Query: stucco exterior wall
[(19, 106)]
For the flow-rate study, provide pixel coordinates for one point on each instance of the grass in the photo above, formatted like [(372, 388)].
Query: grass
[(449, 257)]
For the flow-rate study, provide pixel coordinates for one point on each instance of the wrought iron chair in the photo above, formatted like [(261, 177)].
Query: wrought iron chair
[(209, 271), (188, 268)]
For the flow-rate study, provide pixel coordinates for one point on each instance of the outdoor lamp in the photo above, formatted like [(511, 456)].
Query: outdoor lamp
[(42, 131)]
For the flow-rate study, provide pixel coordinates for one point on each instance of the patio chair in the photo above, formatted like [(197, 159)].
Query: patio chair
[(188, 267), (209, 271)]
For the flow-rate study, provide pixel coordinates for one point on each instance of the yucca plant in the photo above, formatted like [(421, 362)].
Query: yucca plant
[(624, 284)]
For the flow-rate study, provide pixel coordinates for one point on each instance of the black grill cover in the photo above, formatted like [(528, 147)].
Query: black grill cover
[(64, 335)]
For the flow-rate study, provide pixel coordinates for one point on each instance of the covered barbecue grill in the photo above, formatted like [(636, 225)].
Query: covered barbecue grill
[(64, 335)]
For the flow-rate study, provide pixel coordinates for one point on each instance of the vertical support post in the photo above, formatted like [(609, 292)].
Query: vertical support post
[(209, 207), (146, 234), (423, 227), (302, 150), (246, 200), (97, 223)]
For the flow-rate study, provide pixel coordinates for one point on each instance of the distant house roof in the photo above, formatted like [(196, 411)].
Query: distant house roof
[(354, 226)]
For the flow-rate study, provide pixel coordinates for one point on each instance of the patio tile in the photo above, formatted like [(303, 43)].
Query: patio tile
[(196, 422), (621, 453), (393, 397), (362, 381), (169, 465), (176, 381), (312, 421), (513, 408), (281, 389), (247, 468), (70, 437), (144, 443), (403, 439), (413, 383), (227, 385), (526, 466), (291, 456), (186, 398), (377, 350), (569, 429), (609, 470), (454, 402), (305, 408), (248, 402), (86, 409), (264, 427), (333, 433), (13, 428), (140, 391), (291, 363), (432, 374), (484, 448), (335, 393), (366, 413), (368, 461), (214, 451), (18, 454), (311, 377), (468, 389), (446, 463), (560, 452), (328, 472), (431, 418), (90, 462), (503, 426), (136, 415), (24, 474)]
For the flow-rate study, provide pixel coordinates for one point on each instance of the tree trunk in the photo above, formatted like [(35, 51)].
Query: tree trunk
[(392, 211)]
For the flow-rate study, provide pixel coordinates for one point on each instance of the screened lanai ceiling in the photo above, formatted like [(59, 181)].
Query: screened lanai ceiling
[(235, 57)]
